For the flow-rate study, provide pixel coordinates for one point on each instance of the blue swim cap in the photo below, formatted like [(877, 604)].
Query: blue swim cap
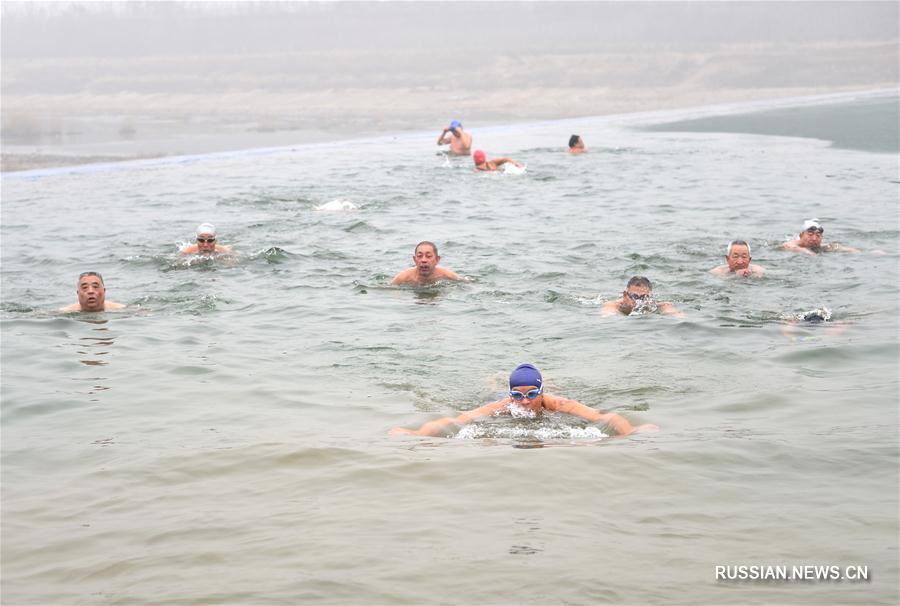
[(455, 124), (525, 374)]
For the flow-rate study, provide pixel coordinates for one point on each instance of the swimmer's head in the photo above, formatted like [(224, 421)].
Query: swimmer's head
[(426, 258), (455, 124), (91, 291), (526, 391), (811, 224), (811, 234), (637, 294), (479, 157), (206, 229), (817, 316), (737, 255), (525, 375), (206, 238)]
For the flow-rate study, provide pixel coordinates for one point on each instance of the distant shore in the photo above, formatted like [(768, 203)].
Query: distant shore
[(76, 126), (120, 135)]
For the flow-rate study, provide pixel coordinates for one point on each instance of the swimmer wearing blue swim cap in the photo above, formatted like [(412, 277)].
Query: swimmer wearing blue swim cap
[(459, 140), (526, 395)]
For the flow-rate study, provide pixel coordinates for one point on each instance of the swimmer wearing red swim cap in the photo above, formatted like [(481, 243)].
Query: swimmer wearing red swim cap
[(482, 163)]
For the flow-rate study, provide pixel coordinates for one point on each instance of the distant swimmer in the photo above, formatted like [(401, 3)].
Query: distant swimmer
[(206, 242), (576, 145), (91, 293), (810, 241), (460, 141), (637, 298), (737, 262), (526, 398), (482, 163), (426, 270)]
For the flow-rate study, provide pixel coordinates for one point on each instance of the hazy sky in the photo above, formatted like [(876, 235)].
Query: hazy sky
[(122, 29)]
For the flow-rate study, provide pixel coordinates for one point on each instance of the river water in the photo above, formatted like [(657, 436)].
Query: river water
[(224, 440)]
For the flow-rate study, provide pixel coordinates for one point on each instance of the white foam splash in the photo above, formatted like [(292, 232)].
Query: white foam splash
[(337, 205), (511, 169), (552, 433)]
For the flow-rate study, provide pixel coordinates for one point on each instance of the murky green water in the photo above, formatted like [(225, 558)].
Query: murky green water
[(225, 441)]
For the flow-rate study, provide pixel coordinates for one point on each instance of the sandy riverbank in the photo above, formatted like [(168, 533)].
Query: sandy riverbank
[(79, 108)]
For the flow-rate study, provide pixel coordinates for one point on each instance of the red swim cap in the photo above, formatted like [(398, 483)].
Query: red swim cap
[(478, 156)]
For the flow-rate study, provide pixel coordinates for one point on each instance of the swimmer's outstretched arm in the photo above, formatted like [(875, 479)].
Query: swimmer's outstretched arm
[(504, 160), (669, 310), (792, 246), (618, 423), (438, 427), (835, 247)]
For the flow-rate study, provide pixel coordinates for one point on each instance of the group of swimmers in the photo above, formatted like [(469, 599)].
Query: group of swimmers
[(460, 143), (525, 395)]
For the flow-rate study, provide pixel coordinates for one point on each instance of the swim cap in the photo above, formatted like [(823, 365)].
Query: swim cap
[(206, 228), (478, 156), (525, 374), (812, 223), (455, 124)]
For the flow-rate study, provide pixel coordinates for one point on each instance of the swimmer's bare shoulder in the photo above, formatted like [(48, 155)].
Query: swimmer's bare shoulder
[(107, 306), (193, 249), (407, 276), (610, 308), (446, 274)]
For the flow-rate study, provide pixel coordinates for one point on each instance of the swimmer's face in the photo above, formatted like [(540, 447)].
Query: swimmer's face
[(634, 295), (811, 238), (91, 293), (739, 258), (425, 259), (536, 405), (206, 243)]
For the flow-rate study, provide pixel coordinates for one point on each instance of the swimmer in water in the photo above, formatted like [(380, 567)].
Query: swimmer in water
[(637, 298), (206, 242), (460, 141), (576, 145), (737, 262), (809, 241), (91, 293), (482, 163), (426, 271), (526, 395)]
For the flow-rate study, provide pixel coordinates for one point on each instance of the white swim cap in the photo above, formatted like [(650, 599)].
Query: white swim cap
[(206, 228), (811, 224)]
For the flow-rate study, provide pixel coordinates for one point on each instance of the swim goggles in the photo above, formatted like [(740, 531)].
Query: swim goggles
[(518, 396), (636, 297)]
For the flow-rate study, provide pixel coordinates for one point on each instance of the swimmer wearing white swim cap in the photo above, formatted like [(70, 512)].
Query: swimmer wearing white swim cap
[(206, 242)]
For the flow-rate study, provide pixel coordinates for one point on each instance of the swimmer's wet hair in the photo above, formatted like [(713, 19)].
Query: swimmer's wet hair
[(639, 281), (90, 273), (736, 243), (431, 244), (573, 140)]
